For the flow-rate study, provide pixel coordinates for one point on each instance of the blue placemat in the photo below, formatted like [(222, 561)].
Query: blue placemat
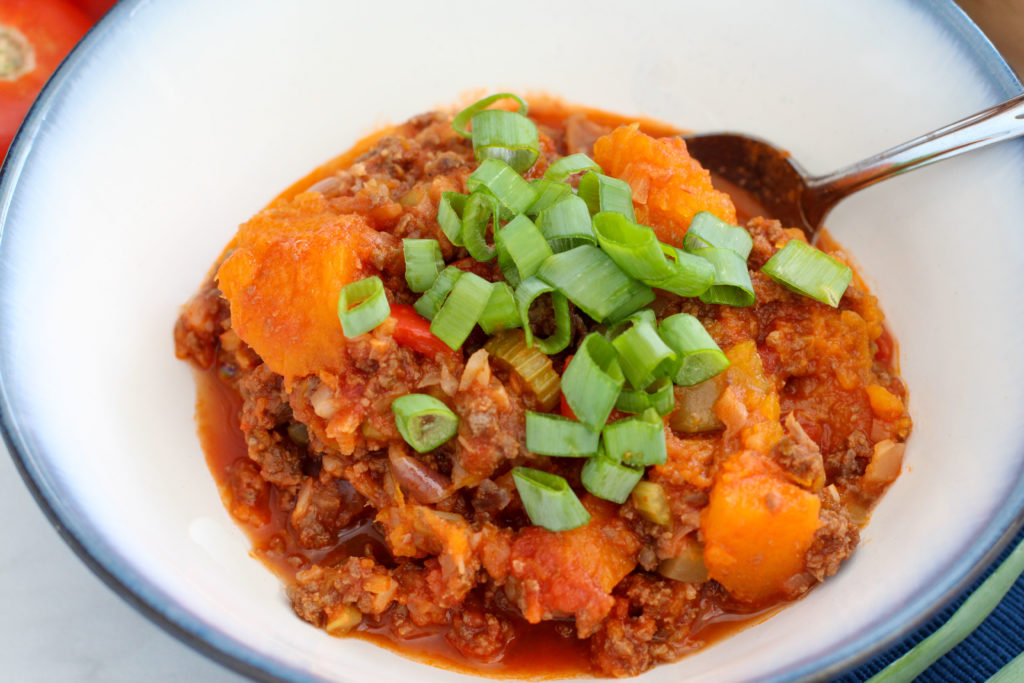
[(999, 639)]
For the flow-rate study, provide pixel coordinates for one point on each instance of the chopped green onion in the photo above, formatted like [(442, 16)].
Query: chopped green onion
[(559, 436), (691, 275), (521, 249), (501, 181), (532, 366), (506, 136), (430, 303), (644, 315), (608, 479), (708, 230), (1011, 673), (501, 312), (592, 381), (566, 224), (802, 268), (423, 421), (732, 279), (638, 298), (658, 395), (604, 193), (566, 166), (643, 355), (593, 282), (548, 500), (423, 263), (636, 441), (466, 115), (526, 293), (362, 306), (461, 310), (633, 247), (481, 209), (967, 617), (698, 356), (650, 501), (449, 215), (636, 250), (548, 192)]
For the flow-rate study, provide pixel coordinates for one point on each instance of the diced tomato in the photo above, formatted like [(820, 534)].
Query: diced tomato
[(413, 330)]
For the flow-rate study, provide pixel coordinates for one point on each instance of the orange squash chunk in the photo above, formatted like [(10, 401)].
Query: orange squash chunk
[(757, 529), (282, 279), (669, 186)]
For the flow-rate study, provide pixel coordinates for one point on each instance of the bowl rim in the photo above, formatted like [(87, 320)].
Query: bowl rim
[(146, 597)]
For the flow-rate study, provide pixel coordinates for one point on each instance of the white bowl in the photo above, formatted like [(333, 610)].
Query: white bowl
[(175, 121)]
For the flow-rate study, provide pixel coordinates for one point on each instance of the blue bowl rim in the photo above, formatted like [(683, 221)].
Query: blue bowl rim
[(198, 634)]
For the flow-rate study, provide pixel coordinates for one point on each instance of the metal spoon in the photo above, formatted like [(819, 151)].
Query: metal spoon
[(798, 199)]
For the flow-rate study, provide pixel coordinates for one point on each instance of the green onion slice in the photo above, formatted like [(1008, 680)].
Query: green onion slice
[(526, 293), (592, 381), (548, 192), (501, 312), (449, 215), (500, 180), (559, 436), (430, 303), (805, 270), (708, 230), (362, 305), (466, 115), (480, 210), (423, 263), (691, 275), (506, 136), (592, 281), (634, 248), (608, 479), (566, 224), (643, 355), (604, 193), (521, 249), (548, 500), (636, 441), (566, 166), (658, 395), (423, 421), (732, 279), (461, 310), (698, 356)]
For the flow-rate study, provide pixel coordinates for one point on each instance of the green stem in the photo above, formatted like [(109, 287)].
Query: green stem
[(968, 617), (1011, 673)]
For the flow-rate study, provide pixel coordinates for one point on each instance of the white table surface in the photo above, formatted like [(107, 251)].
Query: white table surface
[(59, 622)]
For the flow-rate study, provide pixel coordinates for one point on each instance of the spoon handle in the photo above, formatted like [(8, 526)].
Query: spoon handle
[(998, 123)]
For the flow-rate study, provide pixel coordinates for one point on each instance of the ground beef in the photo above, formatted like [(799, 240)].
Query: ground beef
[(438, 543)]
